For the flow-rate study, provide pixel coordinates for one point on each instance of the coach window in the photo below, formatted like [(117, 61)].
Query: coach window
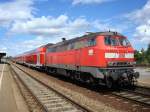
[(92, 42)]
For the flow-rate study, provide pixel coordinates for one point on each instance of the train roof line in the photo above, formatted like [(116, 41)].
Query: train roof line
[(89, 35)]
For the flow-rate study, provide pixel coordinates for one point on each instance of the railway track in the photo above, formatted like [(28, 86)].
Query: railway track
[(139, 94), (48, 99), (31, 101)]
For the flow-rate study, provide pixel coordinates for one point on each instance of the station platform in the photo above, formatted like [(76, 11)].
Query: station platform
[(10, 96), (144, 79)]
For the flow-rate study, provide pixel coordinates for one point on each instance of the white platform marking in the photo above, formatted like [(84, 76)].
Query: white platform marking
[(1, 77)]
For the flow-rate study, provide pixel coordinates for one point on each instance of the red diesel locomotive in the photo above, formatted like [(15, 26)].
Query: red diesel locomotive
[(96, 58)]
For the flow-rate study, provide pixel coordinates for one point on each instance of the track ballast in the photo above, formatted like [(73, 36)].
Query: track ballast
[(49, 99)]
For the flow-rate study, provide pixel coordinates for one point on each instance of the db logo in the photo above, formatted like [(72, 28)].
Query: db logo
[(121, 55)]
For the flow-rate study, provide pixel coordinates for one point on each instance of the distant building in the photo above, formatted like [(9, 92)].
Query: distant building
[(2, 55)]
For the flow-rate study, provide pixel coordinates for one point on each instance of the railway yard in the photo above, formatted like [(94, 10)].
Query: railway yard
[(23, 89)]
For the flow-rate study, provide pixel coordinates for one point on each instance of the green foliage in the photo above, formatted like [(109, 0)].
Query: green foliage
[(143, 57)]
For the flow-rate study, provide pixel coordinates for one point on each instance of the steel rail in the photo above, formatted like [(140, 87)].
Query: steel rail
[(133, 95)]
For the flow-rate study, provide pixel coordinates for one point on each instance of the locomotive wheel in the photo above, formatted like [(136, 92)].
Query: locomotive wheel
[(109, 83)]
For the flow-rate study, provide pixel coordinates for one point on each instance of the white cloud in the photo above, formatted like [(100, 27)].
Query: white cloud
[(141, 18), (141, 15), (50, 26), (75, 2), (54, 28), (104, 26), (143, 33), (3, 49), (15, 10), (32, 43), (14, 48)]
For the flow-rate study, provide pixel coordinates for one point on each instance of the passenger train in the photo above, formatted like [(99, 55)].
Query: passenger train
[(100, 58)]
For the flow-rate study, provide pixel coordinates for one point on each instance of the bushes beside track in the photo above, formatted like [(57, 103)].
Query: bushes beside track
[(143, 57)]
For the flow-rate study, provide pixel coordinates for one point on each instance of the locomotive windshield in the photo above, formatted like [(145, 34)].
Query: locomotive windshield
[(111, 41), (124, 42)]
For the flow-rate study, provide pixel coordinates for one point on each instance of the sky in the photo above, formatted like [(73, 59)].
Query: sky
[(28, 24)]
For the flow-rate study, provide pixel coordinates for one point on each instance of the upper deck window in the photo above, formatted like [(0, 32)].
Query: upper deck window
[(110, 41), (124, 42)]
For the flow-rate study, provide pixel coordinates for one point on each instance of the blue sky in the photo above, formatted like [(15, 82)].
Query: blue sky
[(27, 24)]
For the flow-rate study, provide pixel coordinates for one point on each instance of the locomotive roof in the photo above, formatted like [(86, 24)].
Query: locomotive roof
[(89, 35), (49, 44)]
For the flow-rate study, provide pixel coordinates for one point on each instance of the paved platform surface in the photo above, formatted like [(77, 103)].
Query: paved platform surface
[(144, 76), (10, 97)]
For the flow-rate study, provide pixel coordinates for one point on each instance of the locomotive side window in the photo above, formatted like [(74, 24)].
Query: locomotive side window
[(80, 44), (48, 49), (62, 48), (77, 45), (53, 49), (92, 42), (70, 46)]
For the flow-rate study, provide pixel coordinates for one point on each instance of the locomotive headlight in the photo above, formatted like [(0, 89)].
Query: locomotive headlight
[(110, 63), (132, 63)]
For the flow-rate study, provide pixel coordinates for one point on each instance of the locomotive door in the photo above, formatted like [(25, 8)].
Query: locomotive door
[(77, 58)]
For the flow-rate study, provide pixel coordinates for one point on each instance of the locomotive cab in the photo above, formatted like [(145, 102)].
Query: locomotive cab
[(118, 52), (119, 61)]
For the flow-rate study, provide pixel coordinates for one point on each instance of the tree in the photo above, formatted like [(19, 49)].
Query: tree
[(148, 53), (142, 57), (138, 56)]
